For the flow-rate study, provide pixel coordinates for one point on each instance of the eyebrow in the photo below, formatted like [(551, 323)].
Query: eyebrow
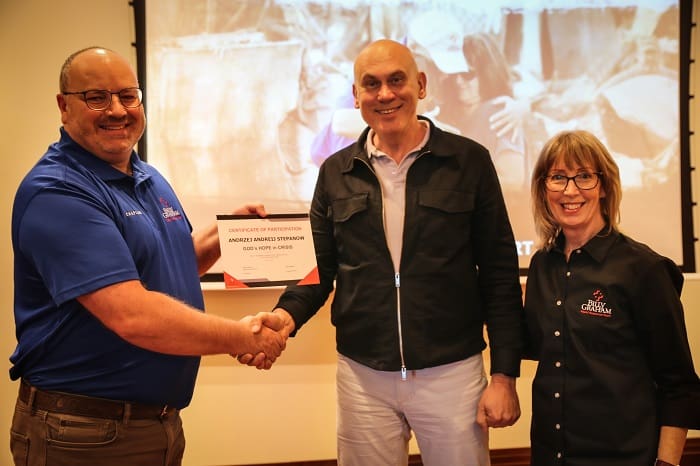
[(393, 74), (577, 170)]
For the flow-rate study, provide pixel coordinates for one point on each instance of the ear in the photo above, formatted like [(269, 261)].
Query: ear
[(354, 95), (61, 101), (62, 106), (422, 85)]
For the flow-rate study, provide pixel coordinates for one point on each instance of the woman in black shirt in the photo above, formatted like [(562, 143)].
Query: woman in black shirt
[(615, 383)]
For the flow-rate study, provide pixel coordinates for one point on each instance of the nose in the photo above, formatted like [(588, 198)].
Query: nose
[(115, 105), (385, 93), (570, 186)]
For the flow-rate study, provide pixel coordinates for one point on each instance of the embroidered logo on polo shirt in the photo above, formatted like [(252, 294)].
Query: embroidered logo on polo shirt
[(170, 214), (596, 306)]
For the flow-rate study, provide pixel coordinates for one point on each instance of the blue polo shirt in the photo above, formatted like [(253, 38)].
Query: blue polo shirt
[(79, 225)]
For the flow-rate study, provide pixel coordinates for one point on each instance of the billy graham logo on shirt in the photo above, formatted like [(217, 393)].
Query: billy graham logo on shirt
[(596, 306), (169, 213)]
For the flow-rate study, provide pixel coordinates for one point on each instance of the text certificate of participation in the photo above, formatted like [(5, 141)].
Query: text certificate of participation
[(276, 250)]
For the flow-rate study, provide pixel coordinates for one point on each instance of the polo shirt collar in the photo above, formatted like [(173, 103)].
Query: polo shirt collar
[(99, 167), (436, 145), (372, 150)]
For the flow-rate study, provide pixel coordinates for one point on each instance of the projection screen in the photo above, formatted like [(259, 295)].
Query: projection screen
[(245, 99)]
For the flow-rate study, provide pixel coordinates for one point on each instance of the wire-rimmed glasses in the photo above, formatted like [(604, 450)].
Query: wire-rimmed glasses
[(100, 99)]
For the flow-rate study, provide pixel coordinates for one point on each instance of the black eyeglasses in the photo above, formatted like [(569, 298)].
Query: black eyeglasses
[(584, 181), (100, 99)]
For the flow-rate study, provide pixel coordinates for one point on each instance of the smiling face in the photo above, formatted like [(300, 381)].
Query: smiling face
[(577, 211), (387, 89), (108, 134)]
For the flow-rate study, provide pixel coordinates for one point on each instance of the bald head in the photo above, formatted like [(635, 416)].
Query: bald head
[(387, 88), (109, 133), (85, 57), (384, 50)]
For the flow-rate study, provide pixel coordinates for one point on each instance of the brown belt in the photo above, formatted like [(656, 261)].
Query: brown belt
[(67, 403)]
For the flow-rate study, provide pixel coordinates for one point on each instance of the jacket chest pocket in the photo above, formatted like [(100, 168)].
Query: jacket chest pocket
[(343, 210), (443, 214), (447, 201), (354, 228)]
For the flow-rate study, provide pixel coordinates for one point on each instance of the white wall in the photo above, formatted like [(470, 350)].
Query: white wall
[(238, 415)]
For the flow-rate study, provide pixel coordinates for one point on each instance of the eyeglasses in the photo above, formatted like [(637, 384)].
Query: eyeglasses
[(582, 181), (99, 99)]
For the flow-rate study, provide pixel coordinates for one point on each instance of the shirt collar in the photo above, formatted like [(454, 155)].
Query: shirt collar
[(372, 150), (597, 247), (98, 166)]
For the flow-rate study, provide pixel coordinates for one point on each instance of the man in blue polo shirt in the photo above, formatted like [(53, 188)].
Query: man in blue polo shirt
[(108, 304)]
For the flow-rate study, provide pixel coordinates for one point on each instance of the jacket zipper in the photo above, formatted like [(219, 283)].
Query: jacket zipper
[(397, 275), (397, 284)]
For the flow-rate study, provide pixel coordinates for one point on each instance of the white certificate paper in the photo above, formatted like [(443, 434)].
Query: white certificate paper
[(277, 250)]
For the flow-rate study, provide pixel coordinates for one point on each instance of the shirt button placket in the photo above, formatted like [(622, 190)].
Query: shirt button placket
[(558, 364)]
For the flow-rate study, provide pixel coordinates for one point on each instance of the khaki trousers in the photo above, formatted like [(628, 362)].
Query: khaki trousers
[(44, 438), (378, 411)]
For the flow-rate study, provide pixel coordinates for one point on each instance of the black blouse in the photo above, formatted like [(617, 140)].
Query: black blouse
[(614, 362)]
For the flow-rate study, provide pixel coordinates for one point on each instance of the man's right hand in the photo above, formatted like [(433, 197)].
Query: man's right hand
[(280, 321)]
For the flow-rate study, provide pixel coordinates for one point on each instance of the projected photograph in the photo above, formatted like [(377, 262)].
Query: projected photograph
[(245, 99)]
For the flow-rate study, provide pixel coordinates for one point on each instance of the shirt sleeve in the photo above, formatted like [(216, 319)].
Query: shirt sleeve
[(74, 244), (302, 302), (662, 327), (499, 280)]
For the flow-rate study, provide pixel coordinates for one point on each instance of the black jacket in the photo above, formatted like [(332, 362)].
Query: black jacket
[(458, 270)]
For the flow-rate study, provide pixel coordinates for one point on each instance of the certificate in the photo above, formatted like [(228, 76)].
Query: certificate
[(276, 250)]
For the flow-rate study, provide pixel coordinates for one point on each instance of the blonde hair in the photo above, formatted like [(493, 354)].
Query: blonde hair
[(574, 148)]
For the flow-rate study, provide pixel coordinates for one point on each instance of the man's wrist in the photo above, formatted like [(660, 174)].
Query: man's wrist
[(664, 463), (503, 379), (287, 318)]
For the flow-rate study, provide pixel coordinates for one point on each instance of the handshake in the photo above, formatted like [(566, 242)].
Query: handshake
[(265, 337)]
